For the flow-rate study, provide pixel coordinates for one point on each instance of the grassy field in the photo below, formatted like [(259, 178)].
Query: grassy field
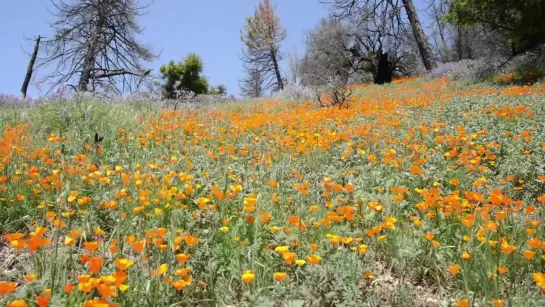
[(421, 193)]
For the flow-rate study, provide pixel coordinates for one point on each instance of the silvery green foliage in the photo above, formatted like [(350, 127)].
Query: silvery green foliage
[(443, 70), (149, 94), (9, 100), (88, 114), (190, 101), (529, 61), (331, 286), (294, 92), (62, 91), (473, 70), (467, 70), (64, 113), (482, 68), (16, 101), (360, 77), (210, 98)]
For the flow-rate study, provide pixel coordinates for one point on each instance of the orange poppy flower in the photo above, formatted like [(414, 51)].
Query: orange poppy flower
[(91, 247), (7, 287), (265, 217), (42, 301), (297, 222), (314, 259), (182, 258), (138, 245), (539, 279), (280, 276), (13, 236), (120, 278), (289, 257), (534, 243), (454, 269), (502, 269), (123, 264), (191, 240), (18, 303), (36, 242), (248, 276), (96, 303), (462, 303), (528, 254), (95, 264), (69, 288)]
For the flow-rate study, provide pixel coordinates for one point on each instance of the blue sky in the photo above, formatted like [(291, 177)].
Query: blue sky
[(211, 28)]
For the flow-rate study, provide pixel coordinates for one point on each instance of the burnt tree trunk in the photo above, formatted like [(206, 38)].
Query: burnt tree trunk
[(460, 43), (90, 56), (30, 68), (277, 69), (423, 45), (469, 53), (384, 69)]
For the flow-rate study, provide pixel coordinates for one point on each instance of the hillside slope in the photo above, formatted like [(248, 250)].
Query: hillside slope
[(421, 193)]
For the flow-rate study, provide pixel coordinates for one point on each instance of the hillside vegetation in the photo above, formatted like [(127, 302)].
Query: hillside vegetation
[(420, 193)]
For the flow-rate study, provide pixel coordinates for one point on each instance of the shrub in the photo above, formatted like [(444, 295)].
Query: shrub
[(473, 70), (334, 93), (443, 70), (525, 69), (295, 92), (465, 70)]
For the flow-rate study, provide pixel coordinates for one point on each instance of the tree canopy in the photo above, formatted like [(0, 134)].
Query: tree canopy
[(261, 37), (218, 90), (523, 22), (184, 75)]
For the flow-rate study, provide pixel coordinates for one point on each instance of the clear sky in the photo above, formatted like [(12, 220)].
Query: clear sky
[(211, 28)]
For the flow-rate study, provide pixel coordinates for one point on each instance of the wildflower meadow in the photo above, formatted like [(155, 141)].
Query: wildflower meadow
[(424, 192)]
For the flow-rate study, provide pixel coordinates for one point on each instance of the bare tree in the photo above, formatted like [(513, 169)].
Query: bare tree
[(379, 45), (440, 31), (294, 65), (334, 93), (390, 11), (348, 50), (30, 69), (456, 42), (253, 84), (262, 36), (95, 43), (327, 54)]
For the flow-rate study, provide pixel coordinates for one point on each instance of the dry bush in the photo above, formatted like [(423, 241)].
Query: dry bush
[(334, 93)]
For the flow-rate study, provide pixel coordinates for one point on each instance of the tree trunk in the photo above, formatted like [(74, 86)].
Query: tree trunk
[(384, 69), (30, 68), (460, 43), (90, 57), (467, 43), (277, 70), (418, 32)]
